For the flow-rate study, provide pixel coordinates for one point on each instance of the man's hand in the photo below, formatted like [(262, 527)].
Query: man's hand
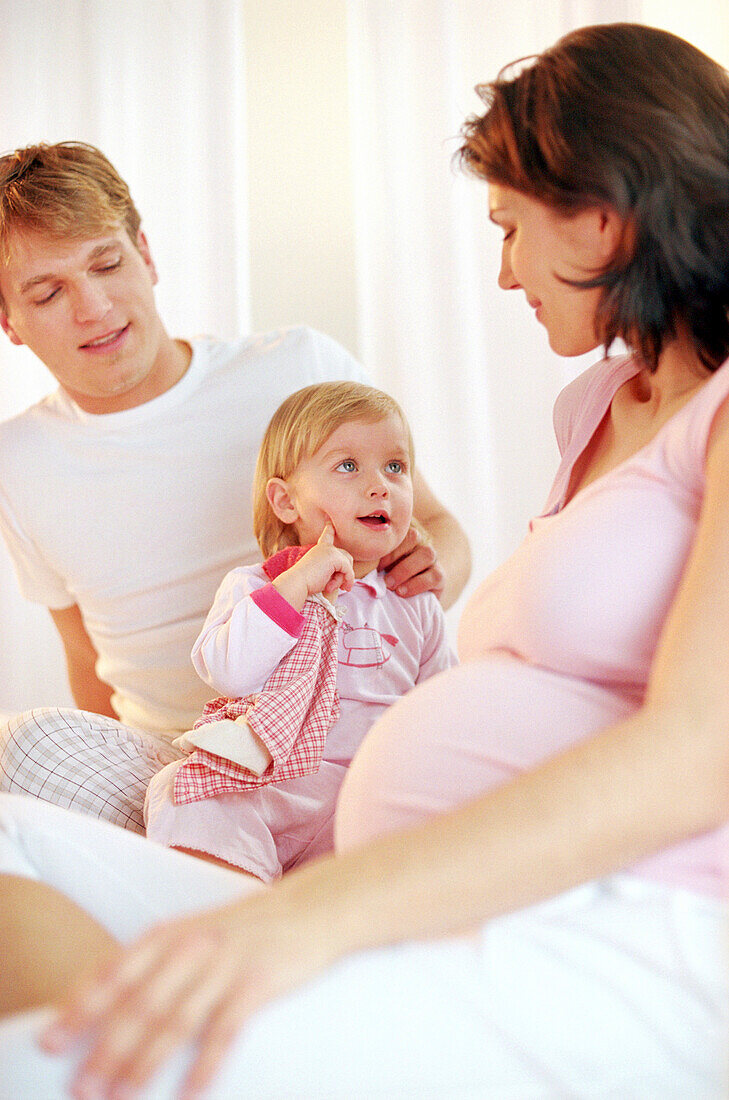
[(412, 567)]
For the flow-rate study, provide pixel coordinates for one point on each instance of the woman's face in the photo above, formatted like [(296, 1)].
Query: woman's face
[(541, 248)]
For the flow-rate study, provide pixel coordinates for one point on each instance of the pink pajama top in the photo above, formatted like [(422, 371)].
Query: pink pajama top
[(385, 646), (580, 605)]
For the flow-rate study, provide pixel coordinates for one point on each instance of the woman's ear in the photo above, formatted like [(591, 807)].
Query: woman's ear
[(279, 496), (615, 234)]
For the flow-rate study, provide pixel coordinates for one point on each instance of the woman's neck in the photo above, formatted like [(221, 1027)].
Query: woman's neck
[(679, 371)]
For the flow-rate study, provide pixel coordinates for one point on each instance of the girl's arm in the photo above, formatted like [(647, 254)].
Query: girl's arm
[(253, 625), (655, 779), (246, 635)]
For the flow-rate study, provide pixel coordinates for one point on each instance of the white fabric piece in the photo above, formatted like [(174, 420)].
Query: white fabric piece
[(163, 488), (231, 738), (615, 990)]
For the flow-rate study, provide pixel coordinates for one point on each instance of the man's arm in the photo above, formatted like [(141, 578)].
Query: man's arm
[(444, 566), (89, 692)]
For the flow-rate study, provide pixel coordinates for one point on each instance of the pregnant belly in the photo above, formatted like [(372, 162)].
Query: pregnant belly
[(462, 733)]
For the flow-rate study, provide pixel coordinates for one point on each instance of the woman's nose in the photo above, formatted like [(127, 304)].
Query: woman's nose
[(507, 279)]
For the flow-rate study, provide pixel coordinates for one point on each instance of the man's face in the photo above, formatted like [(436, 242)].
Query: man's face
[(86, 308)]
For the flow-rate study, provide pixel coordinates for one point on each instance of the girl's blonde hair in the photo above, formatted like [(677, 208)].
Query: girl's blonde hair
[(297, 430)]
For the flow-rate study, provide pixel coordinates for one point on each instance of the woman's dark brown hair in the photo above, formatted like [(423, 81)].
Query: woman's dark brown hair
[(636, 119)]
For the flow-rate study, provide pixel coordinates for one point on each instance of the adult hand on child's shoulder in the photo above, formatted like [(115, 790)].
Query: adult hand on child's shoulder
[(413, 567)]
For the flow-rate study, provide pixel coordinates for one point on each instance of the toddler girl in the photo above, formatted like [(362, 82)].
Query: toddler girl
[(307, 649)]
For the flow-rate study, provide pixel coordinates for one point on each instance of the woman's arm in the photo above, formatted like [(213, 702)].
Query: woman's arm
[(657, 778)]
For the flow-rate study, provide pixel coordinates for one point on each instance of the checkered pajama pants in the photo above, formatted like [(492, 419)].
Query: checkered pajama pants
[(82, 761)]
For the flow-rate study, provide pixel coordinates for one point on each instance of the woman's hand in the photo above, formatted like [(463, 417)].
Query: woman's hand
[(192, 980), (413, 566)]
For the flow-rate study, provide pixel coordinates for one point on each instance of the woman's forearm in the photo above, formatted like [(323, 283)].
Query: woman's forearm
[(634, 789), (637, 787)]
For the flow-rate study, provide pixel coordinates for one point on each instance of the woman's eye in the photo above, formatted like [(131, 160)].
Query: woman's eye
[(348, 466), (109, 267)]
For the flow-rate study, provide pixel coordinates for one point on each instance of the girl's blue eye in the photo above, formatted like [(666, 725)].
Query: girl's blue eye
[(349, 466), (395, 467)]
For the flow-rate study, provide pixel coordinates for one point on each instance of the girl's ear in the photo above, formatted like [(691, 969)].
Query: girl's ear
[(278, 494)]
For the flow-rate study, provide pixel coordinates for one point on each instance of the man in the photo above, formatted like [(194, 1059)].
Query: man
[(125, 495)]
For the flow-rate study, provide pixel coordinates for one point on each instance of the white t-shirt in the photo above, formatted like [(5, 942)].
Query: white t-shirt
[(136, 516)]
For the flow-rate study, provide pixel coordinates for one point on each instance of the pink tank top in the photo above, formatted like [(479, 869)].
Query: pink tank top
[(585, 595)]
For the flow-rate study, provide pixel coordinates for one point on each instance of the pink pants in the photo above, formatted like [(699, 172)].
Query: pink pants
[(264, 831)]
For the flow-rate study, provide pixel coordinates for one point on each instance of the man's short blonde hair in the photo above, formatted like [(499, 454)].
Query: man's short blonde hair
[(298, 428), (67, 191)]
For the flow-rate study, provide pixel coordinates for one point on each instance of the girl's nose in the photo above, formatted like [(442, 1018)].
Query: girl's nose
[(378, 487)]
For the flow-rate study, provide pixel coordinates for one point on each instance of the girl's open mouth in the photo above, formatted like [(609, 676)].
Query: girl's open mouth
[(377, 520)]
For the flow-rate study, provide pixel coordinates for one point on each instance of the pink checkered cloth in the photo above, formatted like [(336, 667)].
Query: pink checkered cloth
[(292, 714)]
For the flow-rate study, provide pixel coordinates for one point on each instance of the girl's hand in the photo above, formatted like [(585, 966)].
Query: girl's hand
[(192, 980), (325, 568)]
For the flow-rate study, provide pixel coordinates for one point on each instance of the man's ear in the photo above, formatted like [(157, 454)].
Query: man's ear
[(144, 251), (8, 329), (279, 496)]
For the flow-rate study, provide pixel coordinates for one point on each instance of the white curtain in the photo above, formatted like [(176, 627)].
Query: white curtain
[(158, 86), (473, 370)]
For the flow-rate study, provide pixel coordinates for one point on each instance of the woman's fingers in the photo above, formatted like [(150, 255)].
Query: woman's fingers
[(217, 1038), (142, 1010), (94, 996), (138, 1037), (147, 1014), (194, 981)]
